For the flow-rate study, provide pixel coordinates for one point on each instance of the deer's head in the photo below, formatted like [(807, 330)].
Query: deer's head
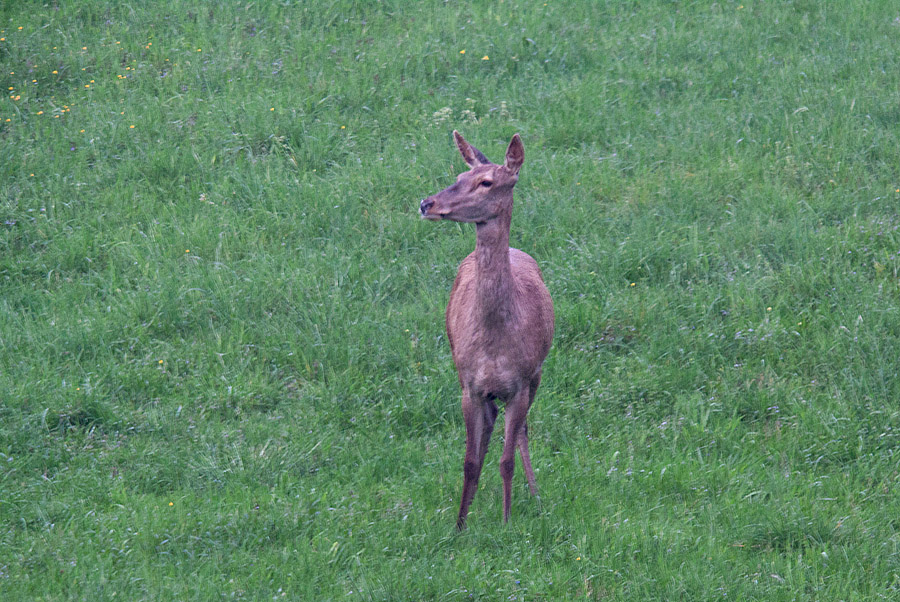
[(481, 194)]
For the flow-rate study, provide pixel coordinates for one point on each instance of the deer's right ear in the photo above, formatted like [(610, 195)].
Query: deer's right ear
[(471, 155)]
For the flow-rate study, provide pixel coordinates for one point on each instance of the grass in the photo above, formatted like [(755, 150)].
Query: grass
[(223, 371)]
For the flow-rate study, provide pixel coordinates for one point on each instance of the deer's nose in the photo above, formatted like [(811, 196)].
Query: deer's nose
[(425, 205)]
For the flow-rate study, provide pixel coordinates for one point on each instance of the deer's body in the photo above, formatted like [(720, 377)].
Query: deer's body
[(499, 318), (500, 341)]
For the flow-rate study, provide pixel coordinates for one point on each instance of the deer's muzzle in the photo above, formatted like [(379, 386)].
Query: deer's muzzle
[(424, 206)]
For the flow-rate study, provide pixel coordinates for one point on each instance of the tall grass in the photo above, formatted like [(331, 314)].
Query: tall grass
[(223, 371)]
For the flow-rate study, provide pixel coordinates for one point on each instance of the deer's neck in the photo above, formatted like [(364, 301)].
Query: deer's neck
[(494, 285)]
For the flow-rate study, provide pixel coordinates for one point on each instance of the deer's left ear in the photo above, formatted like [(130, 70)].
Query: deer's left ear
[(515, 154)]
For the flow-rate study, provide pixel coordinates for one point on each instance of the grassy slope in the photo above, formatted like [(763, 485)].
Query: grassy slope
[(223, 370)]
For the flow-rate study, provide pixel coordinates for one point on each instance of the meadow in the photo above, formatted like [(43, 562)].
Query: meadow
[(223, 366)]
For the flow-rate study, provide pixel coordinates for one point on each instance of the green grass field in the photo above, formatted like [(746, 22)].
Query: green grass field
[(223, 369)]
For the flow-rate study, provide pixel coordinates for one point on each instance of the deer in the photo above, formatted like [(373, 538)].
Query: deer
[(499, 318)]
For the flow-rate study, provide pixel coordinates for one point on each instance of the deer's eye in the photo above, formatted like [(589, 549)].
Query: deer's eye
[(486, 183)]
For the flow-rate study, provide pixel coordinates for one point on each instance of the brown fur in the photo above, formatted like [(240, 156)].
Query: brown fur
[(499, 319)]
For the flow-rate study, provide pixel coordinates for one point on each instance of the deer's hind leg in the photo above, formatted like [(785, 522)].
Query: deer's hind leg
[(522, 439), (522, 444)]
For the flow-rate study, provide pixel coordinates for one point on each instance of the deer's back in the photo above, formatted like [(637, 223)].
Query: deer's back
[(499, 355)]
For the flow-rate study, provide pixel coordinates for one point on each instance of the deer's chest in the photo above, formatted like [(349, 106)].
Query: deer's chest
[(493, 371)]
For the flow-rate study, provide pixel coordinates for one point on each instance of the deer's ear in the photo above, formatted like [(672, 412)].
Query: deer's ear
[(471, 155), (515, 154)]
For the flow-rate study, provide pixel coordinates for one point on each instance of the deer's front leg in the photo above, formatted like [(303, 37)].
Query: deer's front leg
[(479, 415), (516, 412)]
